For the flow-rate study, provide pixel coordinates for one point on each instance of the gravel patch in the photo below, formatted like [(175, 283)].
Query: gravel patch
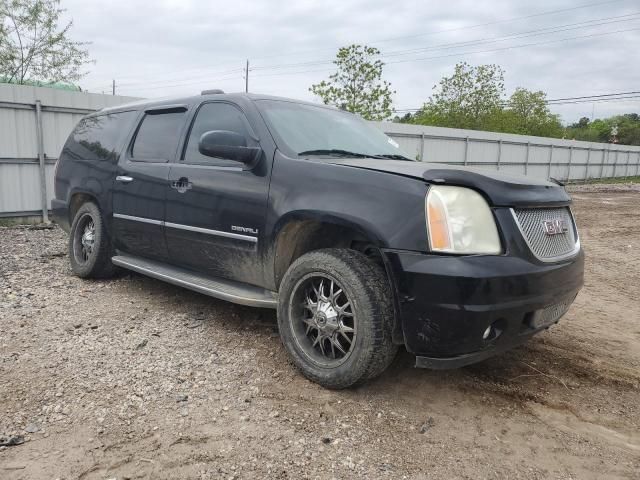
[(133, 378)]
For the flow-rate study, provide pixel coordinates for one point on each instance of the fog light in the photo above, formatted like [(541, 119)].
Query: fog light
[(487, 332)]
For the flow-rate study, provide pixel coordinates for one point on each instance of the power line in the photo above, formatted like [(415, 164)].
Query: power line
[(423, 58), (456, 29), (193, 81), (511, 47), (326, 69), (601, 100), (224, 75), (530, 33), (518, 46), (616, 99), (456, 54), (235, 70), (607, 97), (593, 96), (468, 27), (496, 22), (190, 82), (625, 99), (224, 66)]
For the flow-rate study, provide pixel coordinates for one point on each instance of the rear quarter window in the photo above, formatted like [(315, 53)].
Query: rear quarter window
[(100, 137)]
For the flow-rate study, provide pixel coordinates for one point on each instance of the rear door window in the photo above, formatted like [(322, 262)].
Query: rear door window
[(157, 137), (100, 137)]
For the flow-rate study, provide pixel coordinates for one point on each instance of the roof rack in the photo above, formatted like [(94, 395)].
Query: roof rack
[(213, 91)]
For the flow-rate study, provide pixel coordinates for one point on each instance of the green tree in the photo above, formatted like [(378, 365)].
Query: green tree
[(470, 98), (34, 47), (599, 130), (582, 123), (357, 85), (628, 128), (527, 113), (406, 118)]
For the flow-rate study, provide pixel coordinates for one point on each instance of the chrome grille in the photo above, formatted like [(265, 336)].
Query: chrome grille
[(546, 247)]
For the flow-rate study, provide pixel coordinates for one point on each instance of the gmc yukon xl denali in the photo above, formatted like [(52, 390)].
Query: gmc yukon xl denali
[(310, 210)]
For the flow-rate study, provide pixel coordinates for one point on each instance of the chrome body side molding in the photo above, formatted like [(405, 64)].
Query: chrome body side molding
[(207, 231)]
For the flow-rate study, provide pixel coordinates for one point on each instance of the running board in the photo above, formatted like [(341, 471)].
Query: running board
[(223, 289)]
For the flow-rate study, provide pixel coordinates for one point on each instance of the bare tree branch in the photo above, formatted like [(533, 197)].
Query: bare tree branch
[(35, 47)]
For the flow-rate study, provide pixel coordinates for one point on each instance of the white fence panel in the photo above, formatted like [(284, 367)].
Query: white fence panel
[(20, 172), (20, 184), (565, 160)]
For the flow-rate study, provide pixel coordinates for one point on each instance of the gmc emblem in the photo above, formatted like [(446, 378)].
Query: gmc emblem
[(557, 226)]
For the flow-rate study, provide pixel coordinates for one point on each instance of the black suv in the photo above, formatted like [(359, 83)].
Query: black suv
[(278, 203)]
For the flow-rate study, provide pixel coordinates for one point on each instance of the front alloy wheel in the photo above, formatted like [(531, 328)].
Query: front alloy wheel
[(335, 316), (324, 326)]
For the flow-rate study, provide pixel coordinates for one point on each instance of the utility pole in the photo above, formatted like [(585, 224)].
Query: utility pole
[(246, 77), (113, 87)]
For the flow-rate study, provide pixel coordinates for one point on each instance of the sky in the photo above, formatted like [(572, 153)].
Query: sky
[(179, 47)]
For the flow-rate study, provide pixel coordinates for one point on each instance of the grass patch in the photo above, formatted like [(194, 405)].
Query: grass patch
[(14, 221), (624, 180)]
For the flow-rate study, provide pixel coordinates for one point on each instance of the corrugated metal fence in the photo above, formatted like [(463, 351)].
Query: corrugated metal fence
[(35, 122), (565, 160)]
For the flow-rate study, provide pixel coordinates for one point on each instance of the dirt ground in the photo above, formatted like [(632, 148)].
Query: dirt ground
[(134, 378)]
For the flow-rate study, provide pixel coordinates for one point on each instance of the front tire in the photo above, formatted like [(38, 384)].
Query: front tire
[(89, 244), (335, 315)]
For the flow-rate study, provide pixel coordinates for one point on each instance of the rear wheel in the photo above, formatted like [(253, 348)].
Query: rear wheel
[(89, 245), (335, 316)]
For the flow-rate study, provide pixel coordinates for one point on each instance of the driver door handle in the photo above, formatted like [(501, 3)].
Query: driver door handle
[(124, 179), (182, 184)]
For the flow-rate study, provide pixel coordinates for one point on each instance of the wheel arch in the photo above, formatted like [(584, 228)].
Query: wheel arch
[(302, 232), (77, 199)]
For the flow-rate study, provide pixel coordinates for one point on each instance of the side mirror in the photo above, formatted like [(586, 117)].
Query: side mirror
[(228, 145)]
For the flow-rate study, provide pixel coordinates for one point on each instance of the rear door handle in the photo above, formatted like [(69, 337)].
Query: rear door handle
[(124, 179)]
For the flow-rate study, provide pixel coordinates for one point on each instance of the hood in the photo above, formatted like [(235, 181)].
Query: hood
[(501, 190)]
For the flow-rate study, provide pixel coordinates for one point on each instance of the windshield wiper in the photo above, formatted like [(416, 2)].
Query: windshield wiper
[(335, 152), (393, 157)]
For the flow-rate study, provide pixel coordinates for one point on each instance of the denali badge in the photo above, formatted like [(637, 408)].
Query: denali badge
[(244, 229), (556, 226)]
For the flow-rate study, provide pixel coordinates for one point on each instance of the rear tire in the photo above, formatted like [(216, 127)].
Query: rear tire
[(335, 315), (90, 248)]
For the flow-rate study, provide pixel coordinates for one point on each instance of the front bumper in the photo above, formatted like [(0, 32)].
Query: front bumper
[(446, 303)]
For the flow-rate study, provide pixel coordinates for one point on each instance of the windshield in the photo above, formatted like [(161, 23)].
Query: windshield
[(307, 130)]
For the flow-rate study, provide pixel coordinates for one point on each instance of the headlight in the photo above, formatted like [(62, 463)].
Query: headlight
[(460, 221)]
